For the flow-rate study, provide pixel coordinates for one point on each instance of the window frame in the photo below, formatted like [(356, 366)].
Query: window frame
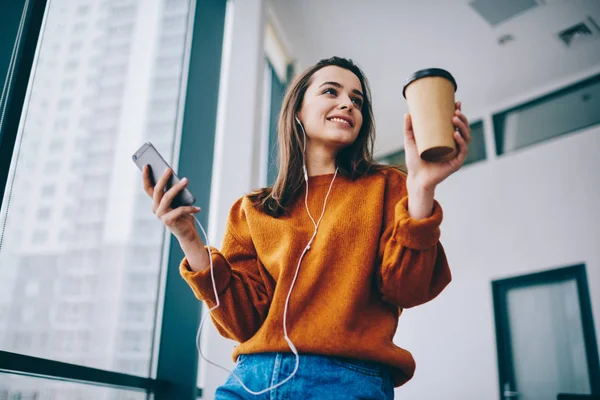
[(499, 117), (176, 359)]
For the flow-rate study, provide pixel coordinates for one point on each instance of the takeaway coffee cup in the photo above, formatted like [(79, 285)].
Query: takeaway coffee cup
[(430, 97)]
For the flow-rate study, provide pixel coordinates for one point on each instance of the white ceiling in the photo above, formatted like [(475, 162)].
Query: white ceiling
[(390, 39)]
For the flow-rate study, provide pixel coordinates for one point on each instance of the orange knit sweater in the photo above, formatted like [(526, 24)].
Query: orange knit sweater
[(368, 261)]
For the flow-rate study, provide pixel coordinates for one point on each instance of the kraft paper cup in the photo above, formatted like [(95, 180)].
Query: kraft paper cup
[(430, 97)]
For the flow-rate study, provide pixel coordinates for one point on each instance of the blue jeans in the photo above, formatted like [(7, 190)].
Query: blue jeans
[(318, 377)]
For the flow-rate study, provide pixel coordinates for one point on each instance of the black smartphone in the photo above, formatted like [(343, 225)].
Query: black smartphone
[(148, 155)]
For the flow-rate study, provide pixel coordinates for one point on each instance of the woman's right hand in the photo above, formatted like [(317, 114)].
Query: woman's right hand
[(179, 221)]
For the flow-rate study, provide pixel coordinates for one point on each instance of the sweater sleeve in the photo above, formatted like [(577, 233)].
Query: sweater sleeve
[(244, 286), (413, 266)]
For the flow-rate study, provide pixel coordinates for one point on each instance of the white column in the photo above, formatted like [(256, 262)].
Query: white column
[(237, 143)]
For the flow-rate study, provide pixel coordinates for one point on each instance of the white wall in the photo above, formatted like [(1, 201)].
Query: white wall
[(527, 211)]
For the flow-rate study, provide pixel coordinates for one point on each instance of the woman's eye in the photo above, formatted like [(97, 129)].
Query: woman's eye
[(330, 91), (357, 101)]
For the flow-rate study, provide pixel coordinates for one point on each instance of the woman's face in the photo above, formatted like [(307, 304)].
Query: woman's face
[(331, 109)]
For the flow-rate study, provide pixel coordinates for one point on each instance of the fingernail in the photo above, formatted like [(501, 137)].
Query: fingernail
[(197, 208), (184, 180)]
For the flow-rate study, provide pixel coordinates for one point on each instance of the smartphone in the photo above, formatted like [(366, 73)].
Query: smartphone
[(148, 155)]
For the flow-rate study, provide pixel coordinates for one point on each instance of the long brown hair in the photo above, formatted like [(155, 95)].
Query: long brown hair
[(353, 161)]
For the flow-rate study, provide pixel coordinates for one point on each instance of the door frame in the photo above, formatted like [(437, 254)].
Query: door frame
[(503, 348)]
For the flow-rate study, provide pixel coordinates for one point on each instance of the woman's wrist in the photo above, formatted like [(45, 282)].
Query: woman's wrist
[(420, 199), (196, 254)]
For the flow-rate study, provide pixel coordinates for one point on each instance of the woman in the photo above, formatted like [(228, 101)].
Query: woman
[(323, 263)]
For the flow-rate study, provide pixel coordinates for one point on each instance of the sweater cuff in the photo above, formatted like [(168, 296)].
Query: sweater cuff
[(201, 282), (417, 234)]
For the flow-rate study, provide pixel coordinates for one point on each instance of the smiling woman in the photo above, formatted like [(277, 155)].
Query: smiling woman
[(290, 284)]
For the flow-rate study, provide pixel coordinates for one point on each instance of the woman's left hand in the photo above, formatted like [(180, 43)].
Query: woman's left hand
[(426, 175)]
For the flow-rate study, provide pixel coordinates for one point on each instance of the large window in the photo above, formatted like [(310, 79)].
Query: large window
[(75, 220), (567, 110)]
